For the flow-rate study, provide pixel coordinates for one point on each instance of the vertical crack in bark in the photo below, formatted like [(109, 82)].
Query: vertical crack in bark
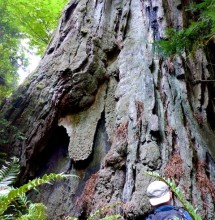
[(153, 22), (68, 13), (118, 18), (211, 168), (183, 116), (123, 23), (64, 23), (99, 21), (126, 25)]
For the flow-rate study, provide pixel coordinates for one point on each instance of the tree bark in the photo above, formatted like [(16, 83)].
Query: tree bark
[(125, 109)]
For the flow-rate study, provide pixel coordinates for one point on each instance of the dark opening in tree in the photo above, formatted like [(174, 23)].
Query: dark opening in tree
[(55, 155)]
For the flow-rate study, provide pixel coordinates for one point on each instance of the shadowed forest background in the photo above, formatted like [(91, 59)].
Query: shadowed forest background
[(123, 87)]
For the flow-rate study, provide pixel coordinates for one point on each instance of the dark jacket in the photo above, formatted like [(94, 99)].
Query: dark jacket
[(168, 208)]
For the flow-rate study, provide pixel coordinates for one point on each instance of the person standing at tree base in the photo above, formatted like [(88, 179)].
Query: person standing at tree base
[(160, 197)]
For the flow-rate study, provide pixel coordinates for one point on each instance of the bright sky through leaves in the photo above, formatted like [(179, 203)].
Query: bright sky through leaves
[(33, 63), (23, 19)]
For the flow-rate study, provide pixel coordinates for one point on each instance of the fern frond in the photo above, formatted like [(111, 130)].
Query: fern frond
[(7, 217), (103, 209), (2, 155), (36, 211), (9, 172), (111, 217), (23, 201), (14, 193)]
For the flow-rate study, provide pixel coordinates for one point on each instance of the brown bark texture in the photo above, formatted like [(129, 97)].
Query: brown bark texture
[(103, 105)]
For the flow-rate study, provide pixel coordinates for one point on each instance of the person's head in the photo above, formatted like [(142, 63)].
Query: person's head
[(159, 193)]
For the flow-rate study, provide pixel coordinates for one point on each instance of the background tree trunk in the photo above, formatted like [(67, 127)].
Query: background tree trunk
[(104, 106)]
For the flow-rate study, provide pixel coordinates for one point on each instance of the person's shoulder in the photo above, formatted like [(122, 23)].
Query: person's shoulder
[(149, 217), (164, 208), (176, 208), (169, 208), (187, 215), (150, 214)]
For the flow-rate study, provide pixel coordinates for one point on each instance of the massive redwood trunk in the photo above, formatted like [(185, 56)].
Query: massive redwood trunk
[(104, 106)]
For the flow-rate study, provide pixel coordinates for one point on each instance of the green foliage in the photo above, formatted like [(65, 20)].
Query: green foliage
[(36, 19), (7, 130), (199, 32), (179, 194), (7, 198), (111, 217), (36, 211), (108, 217), (9, 172), (10, 56), (15, 198), (22, 19), (98, 212), (8, 175), (102, 210)]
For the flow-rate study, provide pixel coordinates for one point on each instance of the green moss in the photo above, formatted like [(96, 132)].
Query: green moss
[(40, 86), (84, 31)]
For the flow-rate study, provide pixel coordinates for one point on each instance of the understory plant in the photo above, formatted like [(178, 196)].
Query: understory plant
[(178, 193), (13, 201), (98, 212), (108, 217), (197, 34), (7, 130)]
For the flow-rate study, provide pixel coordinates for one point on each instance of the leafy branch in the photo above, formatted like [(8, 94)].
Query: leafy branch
[(6, 199), (198, 34)]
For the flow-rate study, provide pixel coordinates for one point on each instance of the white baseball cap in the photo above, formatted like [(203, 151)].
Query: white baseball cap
[(158, 193)]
